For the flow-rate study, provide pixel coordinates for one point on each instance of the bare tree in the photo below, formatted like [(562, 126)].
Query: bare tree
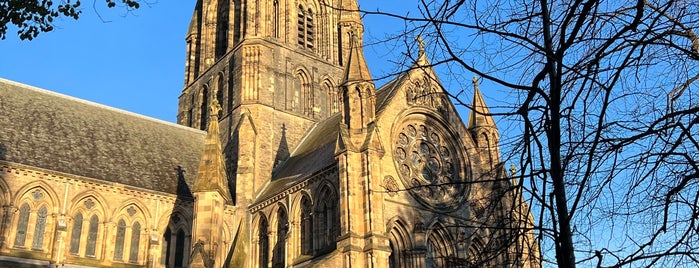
[(34, 17), (603, 112)]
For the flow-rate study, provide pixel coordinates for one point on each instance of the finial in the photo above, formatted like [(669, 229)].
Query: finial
[(421, 44), (214, 108), (513, 170), (475, 82)]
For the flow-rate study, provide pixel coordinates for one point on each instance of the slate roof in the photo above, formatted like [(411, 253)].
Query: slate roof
[(56, 132), (316, 152)]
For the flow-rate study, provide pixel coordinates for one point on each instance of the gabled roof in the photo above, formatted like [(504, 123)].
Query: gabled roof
[(314, 153), (55, 132)]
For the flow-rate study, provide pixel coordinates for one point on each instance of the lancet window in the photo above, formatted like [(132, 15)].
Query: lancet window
[(306, 227), (263, 242), (306, 27)]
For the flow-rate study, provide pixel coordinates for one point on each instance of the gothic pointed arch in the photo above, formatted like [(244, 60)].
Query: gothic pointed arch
[(306, 225), (333, 97), (34, 221), (262, 240), (50, 195), (222, 25), (326, 218), (127, 236), (440, 247), (281, 229), (204, 107), (400, 242), (221, 90), (119, 240), (298, 97), (176, 231), (134, 208)]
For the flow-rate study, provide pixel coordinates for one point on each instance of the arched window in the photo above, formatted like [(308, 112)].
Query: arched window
[(263, 242), (393, 261), (399, 243), (204, 108), (279, 259), (179, 248), (301, 22), (275, 18), (439, 249), (299, 95), (326, 219), (333, 98), (119, 243), (135, 242), (310, 31), (91, 245), (76, 233), (219, 91), (39, 229), (22, 223), (165, 248), (173, 247), (305, 29), (306, 227), (222, 28)]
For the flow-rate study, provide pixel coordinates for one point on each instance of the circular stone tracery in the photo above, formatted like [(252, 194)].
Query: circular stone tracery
[(429, 165)]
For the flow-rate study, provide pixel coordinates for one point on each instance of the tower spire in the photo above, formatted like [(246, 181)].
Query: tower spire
[(211, 174), (357, 69), (480, 114)]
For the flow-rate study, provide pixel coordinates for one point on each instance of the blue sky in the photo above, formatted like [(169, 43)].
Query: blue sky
[(132, 61)]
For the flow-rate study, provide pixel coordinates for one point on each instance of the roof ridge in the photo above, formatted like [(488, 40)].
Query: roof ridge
[(97, 105)]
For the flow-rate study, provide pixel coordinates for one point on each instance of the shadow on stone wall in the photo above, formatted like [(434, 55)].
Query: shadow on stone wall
[(176, 239)]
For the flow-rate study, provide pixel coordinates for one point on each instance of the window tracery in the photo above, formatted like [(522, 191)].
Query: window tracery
[(135, 242), (119, 241), (174, 242), (39, 229), (76, 234), (91, 245), (22, 224), (326, 219), (306, 227)]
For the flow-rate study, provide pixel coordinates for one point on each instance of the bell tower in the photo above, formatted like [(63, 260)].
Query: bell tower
[(275, 68)]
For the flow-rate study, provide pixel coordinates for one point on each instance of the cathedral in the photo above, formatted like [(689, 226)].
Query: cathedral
[(285, 154)]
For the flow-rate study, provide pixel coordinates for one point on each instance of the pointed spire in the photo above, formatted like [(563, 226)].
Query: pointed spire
[(356, 69), (211, 174), (480, 114)]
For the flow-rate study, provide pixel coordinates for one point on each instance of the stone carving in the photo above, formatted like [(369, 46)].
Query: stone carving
[(391, 185), (131, 211), (89, 204), (429, 166), (38, 195), (420, 94)]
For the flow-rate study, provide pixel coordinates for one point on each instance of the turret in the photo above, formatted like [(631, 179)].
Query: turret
[(358, 93), (211, 194), (483, 128)]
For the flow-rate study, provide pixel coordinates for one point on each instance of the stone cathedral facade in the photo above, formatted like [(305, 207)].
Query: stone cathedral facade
[(286, 154)]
